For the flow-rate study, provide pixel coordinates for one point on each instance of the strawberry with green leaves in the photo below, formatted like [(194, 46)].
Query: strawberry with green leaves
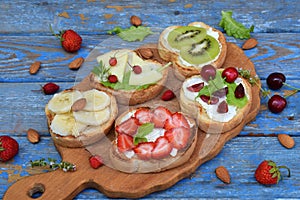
[(9, 147), (268, 173), (70, 40)]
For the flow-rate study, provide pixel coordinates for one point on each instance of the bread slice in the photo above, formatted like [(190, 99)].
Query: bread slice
[(211, 121), (134, 96), (134, 164), (185, 70), (90, 134)]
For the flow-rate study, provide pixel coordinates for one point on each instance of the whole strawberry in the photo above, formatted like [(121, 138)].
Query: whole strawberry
[(268, 172), (9, 147), (70, 40)]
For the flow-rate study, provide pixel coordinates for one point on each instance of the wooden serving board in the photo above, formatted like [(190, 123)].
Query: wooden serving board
[(66, 185)]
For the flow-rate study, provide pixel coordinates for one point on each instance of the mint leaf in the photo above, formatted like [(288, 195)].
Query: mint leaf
[(232, 100), (213, 85), (115, 30), (135, 33), (142, 131), (234, 28)]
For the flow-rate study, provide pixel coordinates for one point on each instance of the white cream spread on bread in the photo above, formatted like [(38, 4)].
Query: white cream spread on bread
[(211, 109)]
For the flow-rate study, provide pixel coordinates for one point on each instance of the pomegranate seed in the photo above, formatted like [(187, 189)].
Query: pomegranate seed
[(113, 61), (168, 95), (112, 78), (137, 69)]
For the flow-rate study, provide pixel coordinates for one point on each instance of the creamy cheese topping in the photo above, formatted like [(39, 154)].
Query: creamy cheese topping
[(211, 110), (209, 32)]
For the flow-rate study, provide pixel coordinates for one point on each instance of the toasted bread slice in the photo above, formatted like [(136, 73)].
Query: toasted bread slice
[(207, 117), (134, 164), (185, 69), (87, 135), (137, 95)]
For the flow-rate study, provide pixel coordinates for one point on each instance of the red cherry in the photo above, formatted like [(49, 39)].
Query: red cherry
[(112, 78), (50, 88), (277, 103), (230, 74), (113, 61), (275, 80), (208, 72), (137, 69)]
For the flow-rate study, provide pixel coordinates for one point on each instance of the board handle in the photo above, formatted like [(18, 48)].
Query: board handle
[(51, 185)]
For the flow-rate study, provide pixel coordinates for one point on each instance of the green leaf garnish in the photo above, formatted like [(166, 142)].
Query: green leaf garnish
[(101, 71), (142, 131), (232, 100), (132, 33), (234, 28), (213, 85)]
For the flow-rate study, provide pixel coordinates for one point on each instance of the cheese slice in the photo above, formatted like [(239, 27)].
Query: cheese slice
[(119, 68)]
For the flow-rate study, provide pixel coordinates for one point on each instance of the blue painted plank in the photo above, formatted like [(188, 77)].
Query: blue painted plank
[(240, 156), (96, 17)]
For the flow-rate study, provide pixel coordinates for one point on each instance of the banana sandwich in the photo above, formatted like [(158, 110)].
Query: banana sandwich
[(79, 118)]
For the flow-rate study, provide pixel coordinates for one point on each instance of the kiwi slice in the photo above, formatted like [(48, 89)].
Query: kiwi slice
[(201, 52), (185, 35)]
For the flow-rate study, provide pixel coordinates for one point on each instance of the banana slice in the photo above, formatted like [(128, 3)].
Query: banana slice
[(96, 100), (93, 118), (62, 102), (65, 124)]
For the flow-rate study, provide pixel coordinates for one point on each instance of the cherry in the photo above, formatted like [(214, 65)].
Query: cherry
[(275, 80), (196, 87), (208, 72), (209, 100), (113, 61), (222, 107), (239, 91), (230, 74), (112, 78), (277, 103), (221, 92), (137, 69)]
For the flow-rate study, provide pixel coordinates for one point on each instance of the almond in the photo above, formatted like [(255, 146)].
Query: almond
[(34, 67), (286, 140), (249, 44), (75, 64), (146, 53), (78, 105), (33, 136), (135, 20), (223, 174)]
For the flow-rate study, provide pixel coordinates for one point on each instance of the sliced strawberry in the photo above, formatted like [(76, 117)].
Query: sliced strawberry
[(128, 127), (160, 116), (178, 137), (162, 148), (124, 142), (177, 120), (144, 115), (144, 150)]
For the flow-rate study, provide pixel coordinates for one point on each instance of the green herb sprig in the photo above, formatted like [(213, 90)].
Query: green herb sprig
[(101, 71), (63, 165)]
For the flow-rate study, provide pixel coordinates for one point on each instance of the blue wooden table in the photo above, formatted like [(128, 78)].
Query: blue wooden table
[(25, 38)]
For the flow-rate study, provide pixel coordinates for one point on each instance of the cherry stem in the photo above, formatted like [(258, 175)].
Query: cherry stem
[(288, 85), (289, 171)]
